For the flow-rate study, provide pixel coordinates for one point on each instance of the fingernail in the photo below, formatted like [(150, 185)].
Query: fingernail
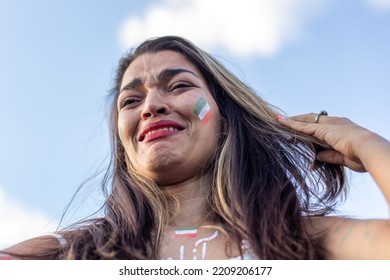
[(281, 117)]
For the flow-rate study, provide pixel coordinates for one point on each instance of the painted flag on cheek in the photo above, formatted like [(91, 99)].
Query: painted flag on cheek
[(202, 110)]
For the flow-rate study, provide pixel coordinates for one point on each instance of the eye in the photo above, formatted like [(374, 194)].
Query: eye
[(180, 85), (129, 102)]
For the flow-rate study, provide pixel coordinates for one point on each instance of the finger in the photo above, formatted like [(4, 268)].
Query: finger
[(331, 157), (298, 125), (327, 156), (334, 157), (4, 256), (306, 118)]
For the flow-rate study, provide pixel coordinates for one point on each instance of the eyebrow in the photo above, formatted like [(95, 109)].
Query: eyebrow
[(131, 85), (165, 74), (169, 73)]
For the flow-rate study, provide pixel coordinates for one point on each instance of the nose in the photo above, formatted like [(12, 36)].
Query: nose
[(155, 104)]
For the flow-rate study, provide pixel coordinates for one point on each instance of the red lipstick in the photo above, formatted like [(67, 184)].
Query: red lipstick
[(159, 129)]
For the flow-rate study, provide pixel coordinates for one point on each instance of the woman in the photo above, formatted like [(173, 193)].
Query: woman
[(203, 168)]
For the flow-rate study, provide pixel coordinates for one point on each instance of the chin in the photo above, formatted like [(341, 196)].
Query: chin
[(163, 171)]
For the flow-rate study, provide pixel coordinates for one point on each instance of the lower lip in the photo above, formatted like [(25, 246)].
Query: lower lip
[(159, 135)]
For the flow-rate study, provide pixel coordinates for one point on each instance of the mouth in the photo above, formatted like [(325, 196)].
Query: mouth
[(159, 129)]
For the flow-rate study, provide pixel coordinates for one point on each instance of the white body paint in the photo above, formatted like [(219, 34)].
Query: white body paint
[(198, 242)]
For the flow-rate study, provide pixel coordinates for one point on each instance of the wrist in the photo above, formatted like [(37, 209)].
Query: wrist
[(369, 145)]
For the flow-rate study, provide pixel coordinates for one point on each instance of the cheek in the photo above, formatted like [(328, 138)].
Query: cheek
[(202, 110), (208, 116), (121, 129), (126, 130)]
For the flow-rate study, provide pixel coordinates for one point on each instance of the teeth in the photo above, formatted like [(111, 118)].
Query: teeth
[(161, 129)]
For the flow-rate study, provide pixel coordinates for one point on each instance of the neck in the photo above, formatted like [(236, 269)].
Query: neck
[(192, 204)]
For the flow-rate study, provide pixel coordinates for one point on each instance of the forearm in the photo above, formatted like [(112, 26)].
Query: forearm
[(374, 153)]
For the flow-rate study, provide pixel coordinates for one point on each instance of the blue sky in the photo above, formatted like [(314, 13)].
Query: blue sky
[(57, 61)]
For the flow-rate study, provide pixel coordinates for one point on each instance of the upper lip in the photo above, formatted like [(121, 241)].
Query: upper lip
[(156, 125)]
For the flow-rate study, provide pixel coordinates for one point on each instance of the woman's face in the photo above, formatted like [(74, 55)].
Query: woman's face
[(168, 120)]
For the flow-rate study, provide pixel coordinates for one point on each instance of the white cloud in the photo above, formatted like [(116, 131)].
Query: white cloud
[(243, 27), (18, 223), (380, 5)]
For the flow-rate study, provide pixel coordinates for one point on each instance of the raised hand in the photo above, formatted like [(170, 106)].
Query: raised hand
[(345, 137)]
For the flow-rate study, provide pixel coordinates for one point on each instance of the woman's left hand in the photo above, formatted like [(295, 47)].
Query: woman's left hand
[(345, 137)]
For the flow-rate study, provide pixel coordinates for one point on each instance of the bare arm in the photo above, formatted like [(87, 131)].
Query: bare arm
[(30, 247), (354, 239), (353, 146), (360, 150), (375, 155)]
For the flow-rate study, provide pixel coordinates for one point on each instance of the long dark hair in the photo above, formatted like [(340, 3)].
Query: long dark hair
[(262, 188)]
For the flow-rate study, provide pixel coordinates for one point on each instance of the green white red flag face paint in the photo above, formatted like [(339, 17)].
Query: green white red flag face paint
[(202, 110), (186, 232)]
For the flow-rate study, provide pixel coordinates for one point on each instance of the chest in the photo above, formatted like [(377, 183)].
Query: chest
[(197, 244)]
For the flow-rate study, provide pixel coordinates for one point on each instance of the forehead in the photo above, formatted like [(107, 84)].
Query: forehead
[(149, 65)]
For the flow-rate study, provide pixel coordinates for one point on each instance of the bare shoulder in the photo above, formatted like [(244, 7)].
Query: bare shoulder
[(33, 246), (348, 238)]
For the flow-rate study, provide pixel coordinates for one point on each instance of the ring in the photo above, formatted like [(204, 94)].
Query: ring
[(322, 113)]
